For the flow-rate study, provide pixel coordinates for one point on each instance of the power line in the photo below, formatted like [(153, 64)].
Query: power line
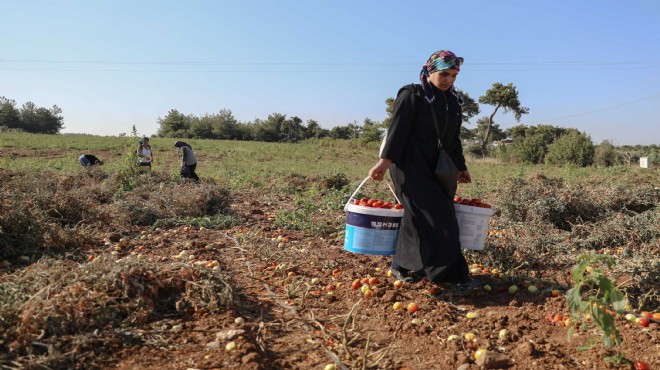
[(346, 63), (597, 110)]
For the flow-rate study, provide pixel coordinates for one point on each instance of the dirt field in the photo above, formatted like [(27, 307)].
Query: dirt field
[(293, 322), (258, 295)]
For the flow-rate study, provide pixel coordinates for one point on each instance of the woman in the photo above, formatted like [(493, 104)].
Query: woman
[(428, 243), (145, 153), (89, 160), (188, 160)]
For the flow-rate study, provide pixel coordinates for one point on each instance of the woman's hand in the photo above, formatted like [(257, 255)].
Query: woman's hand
[(464, 177), (377, 172)]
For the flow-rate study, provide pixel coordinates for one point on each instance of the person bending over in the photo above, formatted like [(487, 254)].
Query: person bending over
[(188, 161)]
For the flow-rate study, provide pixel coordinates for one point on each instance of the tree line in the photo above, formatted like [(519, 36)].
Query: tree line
[(524, 144), (30, 118)]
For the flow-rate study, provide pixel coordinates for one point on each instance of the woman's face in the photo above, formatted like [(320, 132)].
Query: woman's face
[(444, 79)]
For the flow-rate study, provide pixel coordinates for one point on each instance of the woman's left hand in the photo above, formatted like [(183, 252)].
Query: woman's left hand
[(464, 177)]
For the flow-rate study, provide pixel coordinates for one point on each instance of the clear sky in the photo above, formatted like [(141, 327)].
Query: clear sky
[(591, 64)]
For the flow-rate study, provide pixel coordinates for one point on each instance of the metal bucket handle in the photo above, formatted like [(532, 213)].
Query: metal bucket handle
[(360, 186)]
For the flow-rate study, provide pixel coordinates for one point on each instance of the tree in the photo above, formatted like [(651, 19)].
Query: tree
[(528, 149), (370, 131), (174, 124), (41, 120), (505, 97), (470, 108), (606, 155), (495, 132), (341, 132), (9, 115), (389, 109), (292, 130), (269, 130), (573, 147)]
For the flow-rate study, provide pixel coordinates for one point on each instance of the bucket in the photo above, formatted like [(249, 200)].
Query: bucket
[(473, 225), (371, 230)]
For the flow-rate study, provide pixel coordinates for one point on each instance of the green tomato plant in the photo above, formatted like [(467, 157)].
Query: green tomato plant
[(595, 296)]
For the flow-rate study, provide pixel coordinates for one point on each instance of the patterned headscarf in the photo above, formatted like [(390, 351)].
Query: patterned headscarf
[(438, 61)]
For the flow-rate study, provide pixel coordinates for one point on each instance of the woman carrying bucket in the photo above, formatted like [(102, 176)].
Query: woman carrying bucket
[(428, 243)]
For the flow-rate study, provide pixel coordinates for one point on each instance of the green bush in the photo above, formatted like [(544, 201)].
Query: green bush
[(571, 148), (530, 149), (606, 155)]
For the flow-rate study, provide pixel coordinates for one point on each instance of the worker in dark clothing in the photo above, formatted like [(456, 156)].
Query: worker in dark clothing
[(428, 244), (88, 160)]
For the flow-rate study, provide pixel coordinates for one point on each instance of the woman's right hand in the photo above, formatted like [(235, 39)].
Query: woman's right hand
[(377, 172)]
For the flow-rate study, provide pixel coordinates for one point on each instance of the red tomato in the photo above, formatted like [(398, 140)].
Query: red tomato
[(387, 205), (356, 284), (371, 202), (457, 199), (398, 206), (365, 204), (357, 202), (378, 204), (641, 365), (373, 281), (364, 200), (644, 322)]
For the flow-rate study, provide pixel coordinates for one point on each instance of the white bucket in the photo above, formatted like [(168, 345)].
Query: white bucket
[(473, 225), (371, 230)]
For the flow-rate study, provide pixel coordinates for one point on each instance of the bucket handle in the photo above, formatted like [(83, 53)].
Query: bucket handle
[(360, 186)]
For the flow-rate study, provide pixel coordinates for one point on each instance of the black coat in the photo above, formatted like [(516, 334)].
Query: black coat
[(428, 237)]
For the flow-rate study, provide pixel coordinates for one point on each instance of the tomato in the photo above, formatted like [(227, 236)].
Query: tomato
[(373, 281), (644, 322), (641, 365), (364, 200), (398, 206), (457, 199), (363, 203), (412, 307), (387, 205), (356, 202), (356, 284), (378, 204), (371, 202), (646, 314)]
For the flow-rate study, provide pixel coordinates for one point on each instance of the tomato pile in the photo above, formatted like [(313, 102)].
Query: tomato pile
[(376, 203), (474, 202)]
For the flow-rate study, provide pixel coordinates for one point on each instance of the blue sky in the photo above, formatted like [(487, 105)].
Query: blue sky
[(593, 65)]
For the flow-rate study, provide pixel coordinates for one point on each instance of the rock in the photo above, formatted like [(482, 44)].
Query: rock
[(229, 334), (213, 345), (492, 360), (463, 367), (114, 237)]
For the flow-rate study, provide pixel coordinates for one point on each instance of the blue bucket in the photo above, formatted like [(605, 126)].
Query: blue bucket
[(371, 230)]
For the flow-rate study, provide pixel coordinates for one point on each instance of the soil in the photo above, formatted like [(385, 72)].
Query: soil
[(283, 319)]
